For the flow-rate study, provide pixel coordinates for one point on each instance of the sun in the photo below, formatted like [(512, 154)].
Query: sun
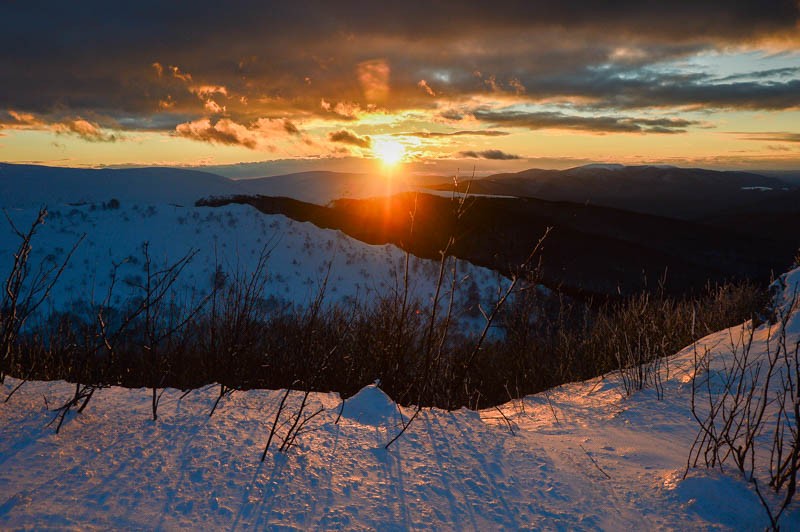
[(390, 152)]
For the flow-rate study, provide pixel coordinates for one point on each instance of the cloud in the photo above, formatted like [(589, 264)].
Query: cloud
[(422, 84), (290, 128), (374, 79), (345, 136), (774, 136), (778, 147), (18, 119), (342, 110), (224, 131), (452, 114), (273, 59), (84, 129), (206, 91), (494, 155), (89, 131), (213, 107), (597, 124), (770, 73), (274, 127), (517, 86), (666, 91), (436, 134), (177, 74)]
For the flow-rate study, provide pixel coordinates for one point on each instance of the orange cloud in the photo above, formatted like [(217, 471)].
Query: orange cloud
[(90, 131), (84, 129), (205, 91), (373, 76), (224, 131), (213, 107), (255, 135), (177, 74), (276, 126), (342, 110), (427, 88)]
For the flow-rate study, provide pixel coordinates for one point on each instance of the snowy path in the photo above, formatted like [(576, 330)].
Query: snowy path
[(112, 467)]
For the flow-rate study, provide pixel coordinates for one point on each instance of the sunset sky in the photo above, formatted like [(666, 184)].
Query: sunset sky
[(322, 84)]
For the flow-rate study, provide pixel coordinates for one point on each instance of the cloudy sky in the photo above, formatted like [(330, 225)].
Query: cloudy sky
[(495, 85)]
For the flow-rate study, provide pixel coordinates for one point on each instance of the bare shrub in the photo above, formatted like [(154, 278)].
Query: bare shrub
[(747, 404), (230, 330), (27, 287)]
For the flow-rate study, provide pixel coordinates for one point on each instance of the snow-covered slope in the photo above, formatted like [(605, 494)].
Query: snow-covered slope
[(231, 238), (582, 456)]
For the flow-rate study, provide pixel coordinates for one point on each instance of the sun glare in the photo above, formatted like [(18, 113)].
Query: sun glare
[(390, 152)]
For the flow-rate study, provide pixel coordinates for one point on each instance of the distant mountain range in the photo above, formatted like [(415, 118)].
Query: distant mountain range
[(32, 185), (322, 188), (24, 185), (685, 193)]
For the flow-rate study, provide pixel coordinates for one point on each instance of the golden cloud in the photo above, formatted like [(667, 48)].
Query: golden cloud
[(373, 76), (223, 131)]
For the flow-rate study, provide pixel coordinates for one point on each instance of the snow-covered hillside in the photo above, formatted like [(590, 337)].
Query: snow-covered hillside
[(582, 456), (229, 238)]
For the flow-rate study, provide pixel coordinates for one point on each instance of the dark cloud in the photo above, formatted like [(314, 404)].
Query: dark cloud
[(290, 128), (621, 86), (452, 115), (494, 155), (141, 64), (345, 136), (433, 134), (774, 136), (597, 124), (741, 95), (771, 73)]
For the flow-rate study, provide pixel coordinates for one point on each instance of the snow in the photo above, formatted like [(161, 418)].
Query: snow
[(580, 456), (370, 406), (231, 238)]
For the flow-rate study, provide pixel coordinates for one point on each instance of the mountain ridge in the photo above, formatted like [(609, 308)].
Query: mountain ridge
[(686, 193)]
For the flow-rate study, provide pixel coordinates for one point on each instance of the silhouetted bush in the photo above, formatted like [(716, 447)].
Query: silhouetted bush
[(242, 341)]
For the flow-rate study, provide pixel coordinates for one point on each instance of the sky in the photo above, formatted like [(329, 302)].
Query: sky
[(274, 87)]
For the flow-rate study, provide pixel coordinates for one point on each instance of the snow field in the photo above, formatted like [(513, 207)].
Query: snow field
[(230, 238), (580, 456)]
